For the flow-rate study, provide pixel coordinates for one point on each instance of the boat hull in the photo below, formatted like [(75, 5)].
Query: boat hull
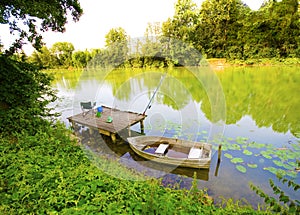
[(140, 143)]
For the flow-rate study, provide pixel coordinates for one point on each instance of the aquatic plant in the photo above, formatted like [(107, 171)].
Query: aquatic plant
[(284, 159), (283, 204)]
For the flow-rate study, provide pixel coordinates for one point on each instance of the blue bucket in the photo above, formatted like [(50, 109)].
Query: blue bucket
[(100, 109)]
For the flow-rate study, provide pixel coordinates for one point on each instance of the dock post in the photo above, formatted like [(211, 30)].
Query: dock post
[(219, 153), (142, 126), (72, 124), (219, 160), (129, 131), (113, 137)]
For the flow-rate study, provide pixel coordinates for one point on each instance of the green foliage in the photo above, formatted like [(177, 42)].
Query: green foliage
[(237, 160), (241, 168), (43, 59), (117, 46), (229, 29), (25, 93), (63, 53), (51, 15), (284, 159), (218, 29), (282, 205), (49, 173), (81, 58)]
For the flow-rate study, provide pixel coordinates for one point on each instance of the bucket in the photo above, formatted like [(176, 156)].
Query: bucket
[(98, 114), (100, 109)]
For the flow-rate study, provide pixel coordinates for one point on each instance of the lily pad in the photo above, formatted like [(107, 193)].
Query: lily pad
[(276, 171), (228, 155), (294, 164), (292, 155), (288, 167), (234, 147), (241, 168), (224, 148), (269, 146), (252, 165), (247, 152), (241, 140), (278, 163), (266, 155), (237, 160), (292, 174), (257, 145), (296, 146), (271, 169)]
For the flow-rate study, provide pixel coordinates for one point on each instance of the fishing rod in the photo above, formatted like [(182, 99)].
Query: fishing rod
[(149, 104)]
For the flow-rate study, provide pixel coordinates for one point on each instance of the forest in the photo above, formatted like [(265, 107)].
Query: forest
[(217, 29)]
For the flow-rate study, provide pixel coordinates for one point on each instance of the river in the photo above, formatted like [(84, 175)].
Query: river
[(252, 111)]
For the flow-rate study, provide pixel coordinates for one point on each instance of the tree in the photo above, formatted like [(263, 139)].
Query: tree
[(220, 22), (179, 32), (117, 46), (63, 52), (81, 58), (43, 58), (25, 91), (182, 24), (272, 31), (23, 18)]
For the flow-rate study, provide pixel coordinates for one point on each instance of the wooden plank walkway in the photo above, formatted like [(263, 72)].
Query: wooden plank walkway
[(120, 120)]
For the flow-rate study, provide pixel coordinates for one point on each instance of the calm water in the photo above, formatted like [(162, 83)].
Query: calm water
[(253, 112)]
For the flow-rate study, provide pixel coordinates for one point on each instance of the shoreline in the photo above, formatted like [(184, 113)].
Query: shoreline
[(223, 62)]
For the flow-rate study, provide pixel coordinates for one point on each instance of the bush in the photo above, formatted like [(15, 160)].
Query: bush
[(25, 93)]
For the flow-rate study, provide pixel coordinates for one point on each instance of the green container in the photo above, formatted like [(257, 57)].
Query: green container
[(98, 114)]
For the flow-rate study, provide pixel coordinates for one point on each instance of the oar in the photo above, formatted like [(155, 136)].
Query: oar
[(149, 104)]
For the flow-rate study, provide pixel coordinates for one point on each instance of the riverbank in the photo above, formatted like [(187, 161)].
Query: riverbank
[(50, 173), (222, 62)]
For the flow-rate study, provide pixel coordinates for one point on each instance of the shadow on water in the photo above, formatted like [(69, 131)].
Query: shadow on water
[(102, 145)]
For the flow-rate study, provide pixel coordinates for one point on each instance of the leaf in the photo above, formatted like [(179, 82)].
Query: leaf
[(278, 163), (224, 148), (271, 169), (228, 155), (256, 145), (266, 155), (247, 152), (276, 171), (252, 165), (288, 167), (284, 198), (240, 168), (292, 174), (234, 147), (237, 160)]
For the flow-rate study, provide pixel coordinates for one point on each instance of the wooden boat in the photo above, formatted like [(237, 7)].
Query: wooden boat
[(172, 151)]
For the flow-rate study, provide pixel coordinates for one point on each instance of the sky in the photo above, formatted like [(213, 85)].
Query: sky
[(101, 15)]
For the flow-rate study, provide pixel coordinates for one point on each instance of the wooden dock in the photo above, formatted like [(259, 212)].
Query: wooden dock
[(120, 120)]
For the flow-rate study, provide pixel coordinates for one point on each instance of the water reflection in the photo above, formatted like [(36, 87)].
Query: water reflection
[(262, 104), (266, 97), (102, 145)]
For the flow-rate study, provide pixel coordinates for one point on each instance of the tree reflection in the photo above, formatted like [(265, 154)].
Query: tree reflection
[(270, 95)]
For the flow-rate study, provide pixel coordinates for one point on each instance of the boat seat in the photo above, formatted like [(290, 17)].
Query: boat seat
[(161, 148), (195, 153)]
